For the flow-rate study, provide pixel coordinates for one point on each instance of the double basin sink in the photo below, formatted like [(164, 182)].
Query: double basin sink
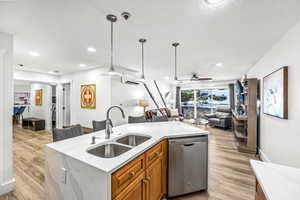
[(120, 146)]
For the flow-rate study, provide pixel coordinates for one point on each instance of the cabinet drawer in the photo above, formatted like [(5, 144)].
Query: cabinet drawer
[(135, 190), (154, 153), (124, 176)]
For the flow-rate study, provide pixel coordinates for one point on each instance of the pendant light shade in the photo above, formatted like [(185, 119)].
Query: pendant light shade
[(175, 45), (112, 72), (142, 41)]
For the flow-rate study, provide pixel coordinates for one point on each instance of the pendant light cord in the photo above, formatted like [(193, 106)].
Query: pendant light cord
[(111, 46), (176, 64), (175, 46), (143, 67), (142, 41)]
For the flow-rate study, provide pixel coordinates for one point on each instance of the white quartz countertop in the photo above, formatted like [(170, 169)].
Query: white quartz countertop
[(77, 147), (277, 182)]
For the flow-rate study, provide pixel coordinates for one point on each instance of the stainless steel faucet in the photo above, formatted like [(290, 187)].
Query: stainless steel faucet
[(108, 126)]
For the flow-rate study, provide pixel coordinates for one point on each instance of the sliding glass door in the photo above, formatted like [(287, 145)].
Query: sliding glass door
[(197, 102), (188, 103)]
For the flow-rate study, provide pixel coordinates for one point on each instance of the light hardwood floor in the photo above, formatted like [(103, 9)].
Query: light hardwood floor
[(230, 174)]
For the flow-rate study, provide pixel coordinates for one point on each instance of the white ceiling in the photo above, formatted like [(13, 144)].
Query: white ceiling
[(237, 33)]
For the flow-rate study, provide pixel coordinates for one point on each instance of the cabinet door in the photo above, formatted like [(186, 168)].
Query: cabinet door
[(155, 177), (122, 178), (135, 191)]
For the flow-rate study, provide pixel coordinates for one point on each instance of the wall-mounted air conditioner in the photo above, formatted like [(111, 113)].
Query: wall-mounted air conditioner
[(131, 80)]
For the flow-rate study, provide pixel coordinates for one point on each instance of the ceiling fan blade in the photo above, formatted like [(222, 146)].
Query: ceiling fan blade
[(196, 79), (203, 79)]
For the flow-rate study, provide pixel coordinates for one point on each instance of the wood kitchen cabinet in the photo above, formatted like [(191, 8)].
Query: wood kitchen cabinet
[(144, 178), (154, 174), (135, 191)]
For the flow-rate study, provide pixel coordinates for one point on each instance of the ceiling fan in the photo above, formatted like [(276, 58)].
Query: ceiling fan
[(195, 77)]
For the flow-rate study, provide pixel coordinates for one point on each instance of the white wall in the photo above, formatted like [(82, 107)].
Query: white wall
[(21, 88), (128, 96), (207, 85), (109, 92), (35, 77), (7, 182), (103, 96), (280, 139), (43, 111)]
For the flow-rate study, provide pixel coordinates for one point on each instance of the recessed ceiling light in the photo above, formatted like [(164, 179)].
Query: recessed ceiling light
[(33, 53), (167, 77), (54, 72), (82, 65), (213, 2), (219, 64), (91, 49)]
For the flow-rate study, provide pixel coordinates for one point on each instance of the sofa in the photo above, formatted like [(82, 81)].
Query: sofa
[(221, 118), (172, 114)]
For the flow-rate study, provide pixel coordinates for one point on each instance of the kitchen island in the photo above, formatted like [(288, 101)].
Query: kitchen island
[(73, 172)]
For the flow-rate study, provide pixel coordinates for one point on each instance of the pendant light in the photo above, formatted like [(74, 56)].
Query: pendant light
[(175, 45), (142, 41), (112, 72)]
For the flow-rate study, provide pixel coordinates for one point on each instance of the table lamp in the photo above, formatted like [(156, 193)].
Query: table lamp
[(143, 103)]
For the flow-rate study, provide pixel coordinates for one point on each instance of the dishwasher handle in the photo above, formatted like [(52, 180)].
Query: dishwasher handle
[(189, 144)]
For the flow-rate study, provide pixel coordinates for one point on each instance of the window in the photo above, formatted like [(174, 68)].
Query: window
[(203, 101), (188, 103)]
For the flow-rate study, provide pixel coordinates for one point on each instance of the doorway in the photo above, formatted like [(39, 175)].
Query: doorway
[(66, 104)]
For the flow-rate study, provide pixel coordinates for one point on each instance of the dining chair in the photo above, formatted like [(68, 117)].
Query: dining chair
[(140, 119), (66, 133), (100, 125)]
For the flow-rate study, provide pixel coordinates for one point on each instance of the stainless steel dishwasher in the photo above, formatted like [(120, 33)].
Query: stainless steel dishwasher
[(188, 170)]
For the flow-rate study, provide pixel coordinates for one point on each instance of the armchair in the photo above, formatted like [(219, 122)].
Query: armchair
[(221, 118)]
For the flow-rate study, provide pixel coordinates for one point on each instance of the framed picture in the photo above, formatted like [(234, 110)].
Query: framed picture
[(39, 97), (22, 98), (88, 96), (275, 93)]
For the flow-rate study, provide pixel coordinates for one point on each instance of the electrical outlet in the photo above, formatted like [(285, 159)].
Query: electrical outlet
[(63, 177)]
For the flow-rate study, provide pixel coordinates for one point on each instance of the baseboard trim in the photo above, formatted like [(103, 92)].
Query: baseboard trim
[(7, 187), (263, 156)]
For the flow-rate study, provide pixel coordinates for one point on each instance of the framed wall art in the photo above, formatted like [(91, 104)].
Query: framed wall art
[(39, 97), (88, 96), (275, 93)]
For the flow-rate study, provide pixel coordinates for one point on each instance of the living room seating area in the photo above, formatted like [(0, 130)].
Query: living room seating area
[(222, 118)]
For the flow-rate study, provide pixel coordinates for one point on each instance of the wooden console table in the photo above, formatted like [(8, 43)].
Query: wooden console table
[(33, 123)]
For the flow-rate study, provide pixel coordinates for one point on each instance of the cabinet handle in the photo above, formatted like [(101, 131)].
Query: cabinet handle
[(145, 181), (188, 145), (132, 174), (156, 154), (146, 189)]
